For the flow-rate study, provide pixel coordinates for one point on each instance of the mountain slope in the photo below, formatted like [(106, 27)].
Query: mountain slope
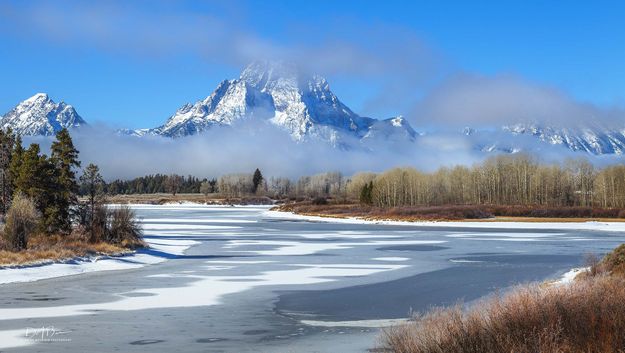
[(40, 115), (280, 94), (592, 138)]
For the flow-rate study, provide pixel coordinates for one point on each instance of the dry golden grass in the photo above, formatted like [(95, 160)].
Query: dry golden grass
[(587, 316), (465, 213), (546, 219), (613, 262), (57, 248)]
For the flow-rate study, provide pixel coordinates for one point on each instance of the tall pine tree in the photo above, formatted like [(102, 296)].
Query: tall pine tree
[(257, 179), (37, 178), (93, 186), (7, 142), (64, 157)]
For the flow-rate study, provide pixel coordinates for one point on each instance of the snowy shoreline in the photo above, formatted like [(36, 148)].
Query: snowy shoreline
[(589, 225), (172, 247), (47, 269), (158, 251)]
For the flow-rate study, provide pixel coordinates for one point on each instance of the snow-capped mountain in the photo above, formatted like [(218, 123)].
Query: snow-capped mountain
[(393, 130), (304, 106), (592, 138), (40, 115), (279, 93)]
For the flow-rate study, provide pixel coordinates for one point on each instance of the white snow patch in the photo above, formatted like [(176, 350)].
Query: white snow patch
[(242, 262), (461, 261), (14, 339), (569, 276), (174, 247), (285, 248), (391, 258), (198, 220), (356, 323), (591, 225), (209, 290)]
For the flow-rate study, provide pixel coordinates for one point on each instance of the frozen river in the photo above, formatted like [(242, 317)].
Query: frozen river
[(250, 282)]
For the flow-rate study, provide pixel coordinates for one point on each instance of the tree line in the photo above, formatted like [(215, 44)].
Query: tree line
[(39, 193), (501, 180), (160, 183), (518, 179)]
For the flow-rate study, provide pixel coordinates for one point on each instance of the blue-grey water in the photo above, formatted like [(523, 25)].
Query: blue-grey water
[(254, 283)]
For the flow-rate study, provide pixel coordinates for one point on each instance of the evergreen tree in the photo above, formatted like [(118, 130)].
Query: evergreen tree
[(7, 142), (174, 182), (205, 188), (37, 177), (64, 157), (16, 160), (257, 179), (366, 193), (213, 185), (93, 185)]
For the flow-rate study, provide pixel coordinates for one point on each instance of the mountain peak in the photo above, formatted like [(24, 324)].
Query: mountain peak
[(281, 94), (40, 115), (269, 70), (38, 97)]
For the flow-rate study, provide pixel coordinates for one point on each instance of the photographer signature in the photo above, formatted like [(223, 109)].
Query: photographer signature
[(45, 333)]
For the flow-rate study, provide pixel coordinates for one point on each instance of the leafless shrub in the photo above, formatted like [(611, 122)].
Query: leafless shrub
[(21, 221), (319, 201), (123, 227), (593, 263), (587, 316), (614, 261)]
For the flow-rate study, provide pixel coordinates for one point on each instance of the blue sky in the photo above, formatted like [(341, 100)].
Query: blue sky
[(132, 64)]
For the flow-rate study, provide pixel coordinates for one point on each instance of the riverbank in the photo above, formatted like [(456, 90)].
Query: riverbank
[(582, 314), (521, 223), (430, 214), (47, 257), (281, 285), (47, 249), (199, 199)]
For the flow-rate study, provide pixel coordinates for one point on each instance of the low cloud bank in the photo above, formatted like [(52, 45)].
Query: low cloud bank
[(476, 100), (245, 147)]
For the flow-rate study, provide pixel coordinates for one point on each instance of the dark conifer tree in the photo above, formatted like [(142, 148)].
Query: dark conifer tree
[(37, 177), (257, 179), (7, 143), (64, 157), (93, 185)]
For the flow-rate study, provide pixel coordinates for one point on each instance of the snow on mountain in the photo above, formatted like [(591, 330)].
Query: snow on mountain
[(40, 115), (393, 130), (279, 93), (304, 106), (592, 138)]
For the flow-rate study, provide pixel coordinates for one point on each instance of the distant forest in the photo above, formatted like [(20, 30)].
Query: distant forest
[(157, 183), (518, 179)]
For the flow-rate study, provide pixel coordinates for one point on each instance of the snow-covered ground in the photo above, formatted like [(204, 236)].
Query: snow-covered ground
[(160, 249), (156, 227), (592, 225), (568, 277), (247, 251)]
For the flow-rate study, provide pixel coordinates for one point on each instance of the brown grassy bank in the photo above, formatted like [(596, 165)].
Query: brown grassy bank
[(454, 212), (587, 316), (57, 248)]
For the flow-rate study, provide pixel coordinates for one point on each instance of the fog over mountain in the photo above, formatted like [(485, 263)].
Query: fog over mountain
[(290, 122), (279, 93)]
